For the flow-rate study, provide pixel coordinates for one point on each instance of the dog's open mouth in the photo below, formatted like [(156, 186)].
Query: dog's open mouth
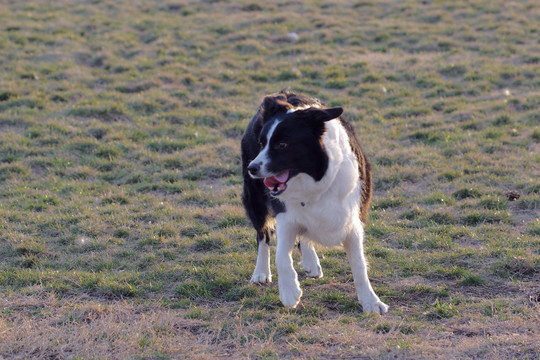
[(277, 184)]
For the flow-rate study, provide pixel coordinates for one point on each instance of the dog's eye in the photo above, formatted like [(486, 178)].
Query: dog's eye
[(281, 146), (260, 145)]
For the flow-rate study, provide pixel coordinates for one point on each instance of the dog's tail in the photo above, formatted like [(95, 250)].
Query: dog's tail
[(367, 188)]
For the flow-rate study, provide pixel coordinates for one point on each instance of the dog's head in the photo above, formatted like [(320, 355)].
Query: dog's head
[(290, 140)]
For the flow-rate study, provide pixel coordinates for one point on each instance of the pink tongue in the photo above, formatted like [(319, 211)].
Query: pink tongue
[(284, 176), (279, 179)]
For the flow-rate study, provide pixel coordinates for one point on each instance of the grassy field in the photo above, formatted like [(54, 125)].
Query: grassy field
[(122, 233)]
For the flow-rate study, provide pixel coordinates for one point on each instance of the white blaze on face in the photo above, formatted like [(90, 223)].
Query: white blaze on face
[(263, 157)]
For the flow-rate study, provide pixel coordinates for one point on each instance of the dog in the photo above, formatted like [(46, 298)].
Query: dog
[(307, 178)]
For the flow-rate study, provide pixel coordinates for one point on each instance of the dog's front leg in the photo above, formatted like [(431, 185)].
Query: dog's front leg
[(289, 287), (355, 252)]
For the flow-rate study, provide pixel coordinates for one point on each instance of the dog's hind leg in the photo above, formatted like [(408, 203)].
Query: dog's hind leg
[(310, 260), (262, 273), (355, 252)]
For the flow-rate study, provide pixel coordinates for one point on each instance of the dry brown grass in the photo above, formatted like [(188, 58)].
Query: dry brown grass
[(44, 327)]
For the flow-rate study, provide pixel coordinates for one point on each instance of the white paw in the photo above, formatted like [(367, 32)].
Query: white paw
[(290, 295), (261, 278), (310, 263), (374, 305), (314, 272), (312, 268)]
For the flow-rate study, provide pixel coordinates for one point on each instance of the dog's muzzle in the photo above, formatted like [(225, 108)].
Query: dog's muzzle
[(254, 169)]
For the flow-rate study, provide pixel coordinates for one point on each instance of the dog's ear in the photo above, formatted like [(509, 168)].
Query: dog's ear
[(316, 117), (321, 115), (273, 105)]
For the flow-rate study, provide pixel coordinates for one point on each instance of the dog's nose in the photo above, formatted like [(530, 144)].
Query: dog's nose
[(253, 168)]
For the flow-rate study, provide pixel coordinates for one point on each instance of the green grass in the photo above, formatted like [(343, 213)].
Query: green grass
[(122, 233)]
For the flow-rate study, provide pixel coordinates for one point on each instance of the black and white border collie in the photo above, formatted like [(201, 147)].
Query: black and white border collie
[(303, 166)]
